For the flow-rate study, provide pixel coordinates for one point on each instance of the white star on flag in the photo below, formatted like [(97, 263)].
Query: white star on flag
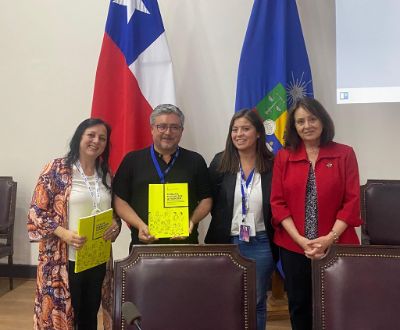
[(131, 6)]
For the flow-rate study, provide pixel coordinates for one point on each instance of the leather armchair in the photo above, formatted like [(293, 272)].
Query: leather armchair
[(357, 287), (8, 194), (181, 287), (380, 210)]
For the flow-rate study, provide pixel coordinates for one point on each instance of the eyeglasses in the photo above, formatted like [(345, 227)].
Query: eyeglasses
[(162, 128)]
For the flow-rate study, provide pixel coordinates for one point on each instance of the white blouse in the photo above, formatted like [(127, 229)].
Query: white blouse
[(81, 204), (255, 205)]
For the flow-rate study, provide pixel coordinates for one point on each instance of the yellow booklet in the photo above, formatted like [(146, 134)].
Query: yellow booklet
[(96, 250), (168, 210)]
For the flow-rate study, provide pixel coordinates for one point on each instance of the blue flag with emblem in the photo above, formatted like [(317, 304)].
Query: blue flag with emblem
[(274, 70)]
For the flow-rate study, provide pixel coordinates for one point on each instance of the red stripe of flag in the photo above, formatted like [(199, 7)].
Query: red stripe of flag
[(117, 99)]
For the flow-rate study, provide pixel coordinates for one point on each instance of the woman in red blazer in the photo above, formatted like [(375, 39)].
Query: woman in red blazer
[(314, 199)]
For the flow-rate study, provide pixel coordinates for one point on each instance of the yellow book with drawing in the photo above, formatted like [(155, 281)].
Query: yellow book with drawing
[(168, 210), (96, 250)]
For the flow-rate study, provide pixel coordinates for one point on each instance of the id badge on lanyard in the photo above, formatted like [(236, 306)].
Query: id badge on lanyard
[(247, 227), (94, 194)]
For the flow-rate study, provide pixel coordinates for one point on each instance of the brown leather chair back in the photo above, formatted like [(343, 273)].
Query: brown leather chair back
[(181, 287), (357, 287), (8, 191), (380, 210), (8, 195)]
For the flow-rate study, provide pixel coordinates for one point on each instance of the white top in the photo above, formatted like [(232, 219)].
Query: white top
[(81, 204), (255, 205)]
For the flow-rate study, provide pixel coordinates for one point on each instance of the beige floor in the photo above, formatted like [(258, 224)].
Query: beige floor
[(16, 307)]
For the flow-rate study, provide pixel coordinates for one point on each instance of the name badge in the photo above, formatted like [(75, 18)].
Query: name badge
[(244, 233)]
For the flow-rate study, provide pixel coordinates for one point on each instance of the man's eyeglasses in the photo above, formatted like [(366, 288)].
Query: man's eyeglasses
[(162, 128)]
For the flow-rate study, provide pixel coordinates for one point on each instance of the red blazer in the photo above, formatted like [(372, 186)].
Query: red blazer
[(338, 192)]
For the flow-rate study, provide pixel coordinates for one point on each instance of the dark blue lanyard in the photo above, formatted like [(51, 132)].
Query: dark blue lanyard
[(245, 194), (162, 174)]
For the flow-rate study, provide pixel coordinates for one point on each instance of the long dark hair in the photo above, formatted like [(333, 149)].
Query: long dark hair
[(102, 161), (292, 138), (230, 158)]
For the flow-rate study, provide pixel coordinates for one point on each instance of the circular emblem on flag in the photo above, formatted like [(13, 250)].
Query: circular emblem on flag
[(297, 88), (269, 126)]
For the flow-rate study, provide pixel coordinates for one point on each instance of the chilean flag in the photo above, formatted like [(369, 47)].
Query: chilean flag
[(134, 74)]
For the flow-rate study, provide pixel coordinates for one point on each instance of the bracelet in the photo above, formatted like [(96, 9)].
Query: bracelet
[(335, 236)]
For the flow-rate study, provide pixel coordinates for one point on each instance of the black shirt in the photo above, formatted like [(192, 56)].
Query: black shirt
[(137, 171)]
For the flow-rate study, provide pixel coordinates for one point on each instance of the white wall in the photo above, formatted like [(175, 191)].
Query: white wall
[(48, 58)]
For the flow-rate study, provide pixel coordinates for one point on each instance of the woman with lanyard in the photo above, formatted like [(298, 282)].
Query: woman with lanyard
[(68, 189), (241, 214)]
